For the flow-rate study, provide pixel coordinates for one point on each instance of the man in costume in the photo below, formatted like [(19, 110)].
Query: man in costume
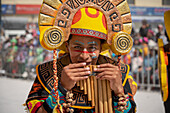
[(82, 80), (164, 64)]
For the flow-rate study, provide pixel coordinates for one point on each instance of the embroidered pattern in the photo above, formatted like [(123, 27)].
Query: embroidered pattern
[(88, 32)]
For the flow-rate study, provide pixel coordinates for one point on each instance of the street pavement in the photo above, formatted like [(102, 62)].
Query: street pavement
[(13, 93)]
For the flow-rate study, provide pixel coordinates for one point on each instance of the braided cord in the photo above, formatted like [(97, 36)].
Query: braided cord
[(56, 79)]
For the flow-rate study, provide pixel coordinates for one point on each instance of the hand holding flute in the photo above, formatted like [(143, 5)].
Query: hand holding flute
[(111, 73)]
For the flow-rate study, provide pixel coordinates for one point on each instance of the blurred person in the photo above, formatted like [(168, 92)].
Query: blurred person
[(144, 28), (32, 59), (149, 62), (150, 35), (164, 64), (39, 55), (144, 44), (11, 55), (161, 34), (151, 39), (160, 31), (35, 41), (22, 56), (137, 64), (81, 50), (136, 43), (154, 64)]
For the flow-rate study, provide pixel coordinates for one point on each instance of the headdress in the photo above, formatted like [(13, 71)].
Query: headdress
[(57, 17)]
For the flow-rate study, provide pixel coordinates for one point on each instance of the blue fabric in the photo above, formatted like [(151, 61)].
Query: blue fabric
[(51, 101)]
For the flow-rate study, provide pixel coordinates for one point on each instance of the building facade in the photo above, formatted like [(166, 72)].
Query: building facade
[(17, 13)]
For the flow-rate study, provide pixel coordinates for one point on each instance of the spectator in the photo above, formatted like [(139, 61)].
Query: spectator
[(137, 63), (39, 54), (136, 43), (160, 31), (31, 54), (11, 68), (144, 28), (151, 39), (144, 43), (21, 57), (165, 38)]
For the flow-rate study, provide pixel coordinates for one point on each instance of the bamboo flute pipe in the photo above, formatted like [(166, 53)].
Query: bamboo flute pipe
[(100, 96), (88, 89), (81, 85), (78, 83), (105, 102), (85, 86), (96, 95), (109, 95), (92, 89)]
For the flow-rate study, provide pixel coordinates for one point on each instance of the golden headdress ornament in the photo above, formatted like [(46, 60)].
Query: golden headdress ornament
[(104, 19), (167, 22)]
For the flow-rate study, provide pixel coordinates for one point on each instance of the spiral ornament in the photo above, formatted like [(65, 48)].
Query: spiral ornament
[(121, 43), (52, 38)]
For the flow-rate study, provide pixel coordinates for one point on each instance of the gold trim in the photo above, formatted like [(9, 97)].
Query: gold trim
[(127, 74), (81, 107)]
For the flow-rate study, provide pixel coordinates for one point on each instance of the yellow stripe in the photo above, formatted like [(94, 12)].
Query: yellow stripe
[(164, 81), (40, 80), (124, 82), (162, 56), (82, 107), (134, 83)]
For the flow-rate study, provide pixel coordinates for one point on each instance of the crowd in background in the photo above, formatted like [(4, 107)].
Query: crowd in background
[(21, 54), (143, 58)]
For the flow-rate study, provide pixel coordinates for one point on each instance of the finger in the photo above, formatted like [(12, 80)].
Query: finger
[(80, 78), (106, 65), (104, 74), (76, 65), (105, 69), (80, 74), (79, 70), (106, 77)]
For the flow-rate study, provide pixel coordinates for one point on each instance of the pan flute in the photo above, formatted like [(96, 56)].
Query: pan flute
[(98, 92)]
